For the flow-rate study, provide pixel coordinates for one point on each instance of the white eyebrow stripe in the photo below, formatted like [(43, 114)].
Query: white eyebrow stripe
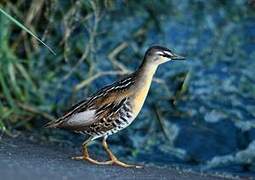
[(159, 53), (168, 53)]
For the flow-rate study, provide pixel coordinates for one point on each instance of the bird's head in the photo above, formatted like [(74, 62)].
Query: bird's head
[(157, 55)]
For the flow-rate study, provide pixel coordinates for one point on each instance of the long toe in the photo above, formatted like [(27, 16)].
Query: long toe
[(114, 160), (122, 164), (97, 162), (86, 158)]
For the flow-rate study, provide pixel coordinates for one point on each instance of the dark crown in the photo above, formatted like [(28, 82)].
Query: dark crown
[(154, 49)]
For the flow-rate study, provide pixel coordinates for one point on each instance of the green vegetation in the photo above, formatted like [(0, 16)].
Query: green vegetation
[(25, 29), (22, 98), (16, 83)]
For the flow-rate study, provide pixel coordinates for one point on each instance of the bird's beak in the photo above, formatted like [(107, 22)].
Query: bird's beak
[(177, 57)]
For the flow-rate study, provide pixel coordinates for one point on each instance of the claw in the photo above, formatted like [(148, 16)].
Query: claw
[(78, 158)]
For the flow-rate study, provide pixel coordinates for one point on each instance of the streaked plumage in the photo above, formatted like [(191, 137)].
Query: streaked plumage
[(103, 113), (114, 107)]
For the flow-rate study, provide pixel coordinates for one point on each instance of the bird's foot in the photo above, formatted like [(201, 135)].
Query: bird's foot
[(112, 161), (87, 158)]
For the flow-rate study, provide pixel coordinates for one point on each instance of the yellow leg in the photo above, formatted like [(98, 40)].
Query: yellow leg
[(114, 159), (85, 155)]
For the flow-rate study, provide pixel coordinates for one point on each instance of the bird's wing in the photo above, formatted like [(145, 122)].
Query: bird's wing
[(72, 112), (85, 112), (108, 114)]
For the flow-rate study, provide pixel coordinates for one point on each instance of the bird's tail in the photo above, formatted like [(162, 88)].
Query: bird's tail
[(53, 124)]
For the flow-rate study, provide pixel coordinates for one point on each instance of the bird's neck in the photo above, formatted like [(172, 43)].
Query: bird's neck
[(145, 73), (144, 77)]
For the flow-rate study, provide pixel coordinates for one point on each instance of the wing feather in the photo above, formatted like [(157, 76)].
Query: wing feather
[(83, 113)]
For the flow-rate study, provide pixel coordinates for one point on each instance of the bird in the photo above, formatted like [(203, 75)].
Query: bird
[(115, 106)]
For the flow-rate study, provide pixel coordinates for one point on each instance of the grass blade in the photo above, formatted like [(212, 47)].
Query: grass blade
[(6, 91), (25, 29)]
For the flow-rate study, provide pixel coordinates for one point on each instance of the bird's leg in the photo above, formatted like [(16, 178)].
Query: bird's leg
[(85, 155), (113, 158)]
